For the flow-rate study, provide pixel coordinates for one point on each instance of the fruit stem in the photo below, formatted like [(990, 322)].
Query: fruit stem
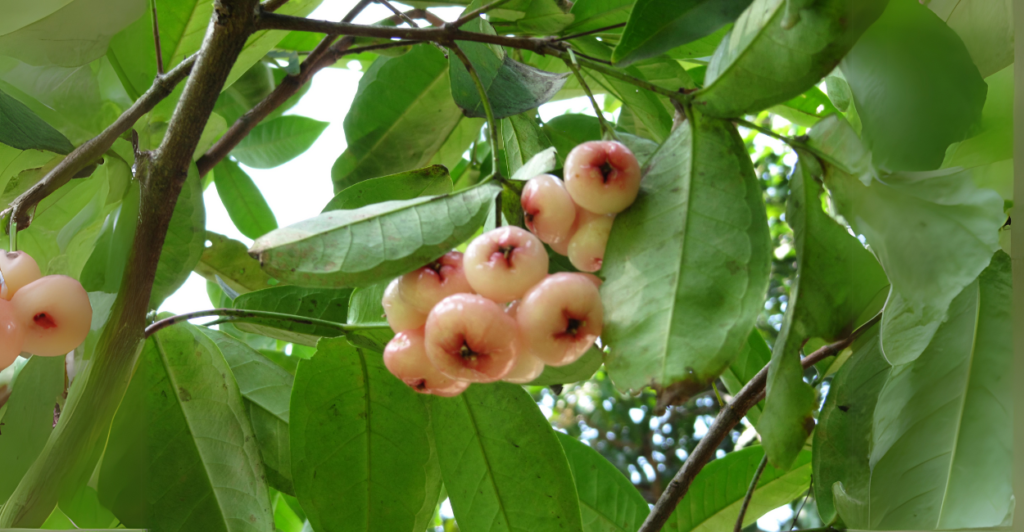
[(606, 131), (250, 315)]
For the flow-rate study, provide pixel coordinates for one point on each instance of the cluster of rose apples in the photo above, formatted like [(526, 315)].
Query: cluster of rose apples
[(495, 313), (44, 316)]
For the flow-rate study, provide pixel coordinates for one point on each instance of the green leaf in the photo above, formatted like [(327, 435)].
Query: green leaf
[(365, 307), (678, 307), (83, 508), (590, 15), (941, 430), (429, 181), (401, 116), (608, 500), (14, 161), (955, 231), (842, 439), (915, 87), (989, 152), (985, 27), (84, 28), (182, 439), (104, 268), (317, 303), (28, 418), (243, 200), (22, 129), (837, 278), (275, 142), (715, 496), (511, 87), (806, 109), (523, 139), (583, 369), (362, 453), (267, 391), (502, 464), (228, 262), (753, 357), (543, 162), (459, 141), (761, 64), (656, 26), (538, 17), (355, 248), (185, 242), (569, 130)]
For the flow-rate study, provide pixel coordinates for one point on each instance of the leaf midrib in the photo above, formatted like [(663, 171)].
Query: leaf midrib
[(487, 462), (686, 224)]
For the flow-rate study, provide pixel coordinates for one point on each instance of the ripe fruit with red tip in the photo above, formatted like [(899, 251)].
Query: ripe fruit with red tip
[(17, 269), (549, 210), (12, 334), (425, 287), (470, 338), (504, 263), (400, 314), (55, 313), (603, 177), (406, 358), (560, 318), (587, 246)]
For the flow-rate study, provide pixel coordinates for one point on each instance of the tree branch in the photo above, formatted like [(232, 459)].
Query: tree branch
[(751, 394), (477, 12), (606, 130), (156, 41), (69, 457), (750, 493)]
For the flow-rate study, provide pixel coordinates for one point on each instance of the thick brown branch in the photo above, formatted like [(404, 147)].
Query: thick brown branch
[(729, 417)]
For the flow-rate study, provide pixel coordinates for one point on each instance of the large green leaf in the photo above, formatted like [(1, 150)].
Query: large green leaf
[(955, 231), (942, 434), (275, 142), (84, 27), (22, 129), (267, 391), (753, 357), (185, 241), (366, 308), (402, 114), (656, 26), (458, 142), (228, 262), (915, 87), (502, 464), (836, 280), (14, 161), (28, 418), (511, 87), (985, 27), (842, 439), (243, 200), (318, 303), (713, 501), (362, 454), (182, 440), (609, 502), (761, 64), (678, 305), (595, 14), (429, 181), (523, 138), (583, 369), (377, 242)]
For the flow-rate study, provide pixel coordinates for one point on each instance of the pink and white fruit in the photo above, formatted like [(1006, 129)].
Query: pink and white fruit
[(400, 314), (55, 313), (12, 334), (602, 176), (587, 246), (470, 338), (526, 370), (17, 269), (504, 263), (406, 358), (560, 318), (425, 287), (548, 209)]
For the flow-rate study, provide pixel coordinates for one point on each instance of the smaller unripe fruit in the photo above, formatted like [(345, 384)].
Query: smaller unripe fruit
[(400, 314), (406, 358), (425, 287), (12, 334), (504, 263), (587, 246), (560, 318), (470, 338), (56, 314), (17, 269), (602, 176), (548, 209)]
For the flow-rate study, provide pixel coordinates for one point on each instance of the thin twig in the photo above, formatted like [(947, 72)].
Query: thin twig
[(618, 74), (242, 314), (592, 58), (398, 12), (801, 508), (272, 5), (606, 130), (477, 12), (591, 32), (433, 19), (792, 142), (156, 40), (750, 493), (751, 394)]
